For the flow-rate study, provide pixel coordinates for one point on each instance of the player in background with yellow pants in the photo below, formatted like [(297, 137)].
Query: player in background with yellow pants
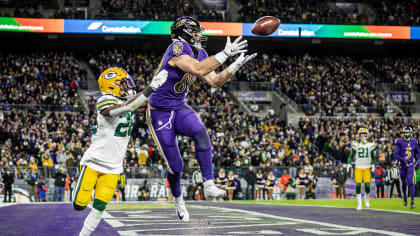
[(364, 154), (102, 162)]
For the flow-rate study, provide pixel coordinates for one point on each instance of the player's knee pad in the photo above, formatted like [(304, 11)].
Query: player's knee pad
[(176, 166), (78, 207), (202, 140), (358, 188), (99, 204), (367, 187)]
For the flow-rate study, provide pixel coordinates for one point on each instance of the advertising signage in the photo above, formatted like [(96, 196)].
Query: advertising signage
[(211, 28), (335, 31), (31, 25)]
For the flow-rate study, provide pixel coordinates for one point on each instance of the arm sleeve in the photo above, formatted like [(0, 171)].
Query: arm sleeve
[(129, 107), (350, 159), (104, 102)]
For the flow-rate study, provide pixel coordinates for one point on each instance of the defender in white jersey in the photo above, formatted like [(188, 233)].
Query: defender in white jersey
[(109, 139), (364, 153), (101, 164)]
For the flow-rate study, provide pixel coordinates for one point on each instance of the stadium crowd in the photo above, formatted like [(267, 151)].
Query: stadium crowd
[(311, 81), (40, 143), (404, 12), (49, 79)]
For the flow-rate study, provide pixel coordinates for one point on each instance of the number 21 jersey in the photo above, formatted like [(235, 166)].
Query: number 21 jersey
[(109, 139), (363, 154)]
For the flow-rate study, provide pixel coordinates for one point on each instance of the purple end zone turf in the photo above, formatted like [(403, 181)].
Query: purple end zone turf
[(46, 219)]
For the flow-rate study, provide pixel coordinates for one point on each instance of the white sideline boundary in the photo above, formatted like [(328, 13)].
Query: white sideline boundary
[(311, 221)]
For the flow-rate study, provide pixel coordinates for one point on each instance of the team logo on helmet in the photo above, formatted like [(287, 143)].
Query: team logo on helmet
[(185, 27), (116, 82)]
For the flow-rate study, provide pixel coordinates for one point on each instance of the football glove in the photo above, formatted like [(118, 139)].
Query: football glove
[(372, 168), (232, 49), (240, 61), (348, 168), (159, 79)]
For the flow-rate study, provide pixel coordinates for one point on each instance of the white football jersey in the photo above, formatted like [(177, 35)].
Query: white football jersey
[(109, 139), (363, 156)]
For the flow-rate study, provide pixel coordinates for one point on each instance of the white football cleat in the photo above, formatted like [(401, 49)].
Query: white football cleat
[(359, 202), (181, 210), (211, 191), (367, 204)]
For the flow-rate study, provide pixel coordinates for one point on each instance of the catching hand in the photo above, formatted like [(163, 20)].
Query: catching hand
[(235, 47), (240, 61)]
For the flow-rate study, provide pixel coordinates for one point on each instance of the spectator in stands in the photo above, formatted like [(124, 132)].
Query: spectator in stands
[(379, 174), (41, 192), (290, 189), (8, 179), (31, 178), (341, 178), (301, 182), (251, 179), (308, 166), (59, 183), (394, 179)]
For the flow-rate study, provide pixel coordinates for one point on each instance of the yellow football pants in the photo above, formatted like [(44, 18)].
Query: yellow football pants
[(362, 175), (89, 179)]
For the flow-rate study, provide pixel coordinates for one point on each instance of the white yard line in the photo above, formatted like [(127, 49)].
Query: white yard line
[(312, 222), (305, 205), (205, 227)]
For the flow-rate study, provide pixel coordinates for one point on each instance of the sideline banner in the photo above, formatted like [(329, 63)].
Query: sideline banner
[(211, 28), (335, 31), (31, 25)]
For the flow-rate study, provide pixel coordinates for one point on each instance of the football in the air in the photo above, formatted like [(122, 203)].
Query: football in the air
[(265, 25)]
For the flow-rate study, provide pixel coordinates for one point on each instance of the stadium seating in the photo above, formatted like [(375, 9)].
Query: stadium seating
[(45, 79), (311, 12)]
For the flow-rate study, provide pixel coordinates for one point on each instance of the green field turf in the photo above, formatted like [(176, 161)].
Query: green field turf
[(383, 204)]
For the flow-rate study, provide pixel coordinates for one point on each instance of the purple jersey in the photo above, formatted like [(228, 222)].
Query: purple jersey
[(405, 151), (171, 95)]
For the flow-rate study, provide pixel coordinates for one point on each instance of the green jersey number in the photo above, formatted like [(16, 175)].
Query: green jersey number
[(363, 152), (124, 128)]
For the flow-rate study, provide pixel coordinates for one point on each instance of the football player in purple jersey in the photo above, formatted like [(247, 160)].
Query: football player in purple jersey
[(406, 150), (168, 115)]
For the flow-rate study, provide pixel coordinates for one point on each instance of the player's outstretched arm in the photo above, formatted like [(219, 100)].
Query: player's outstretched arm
[(135, 102), (217, 80), (202, 68)]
